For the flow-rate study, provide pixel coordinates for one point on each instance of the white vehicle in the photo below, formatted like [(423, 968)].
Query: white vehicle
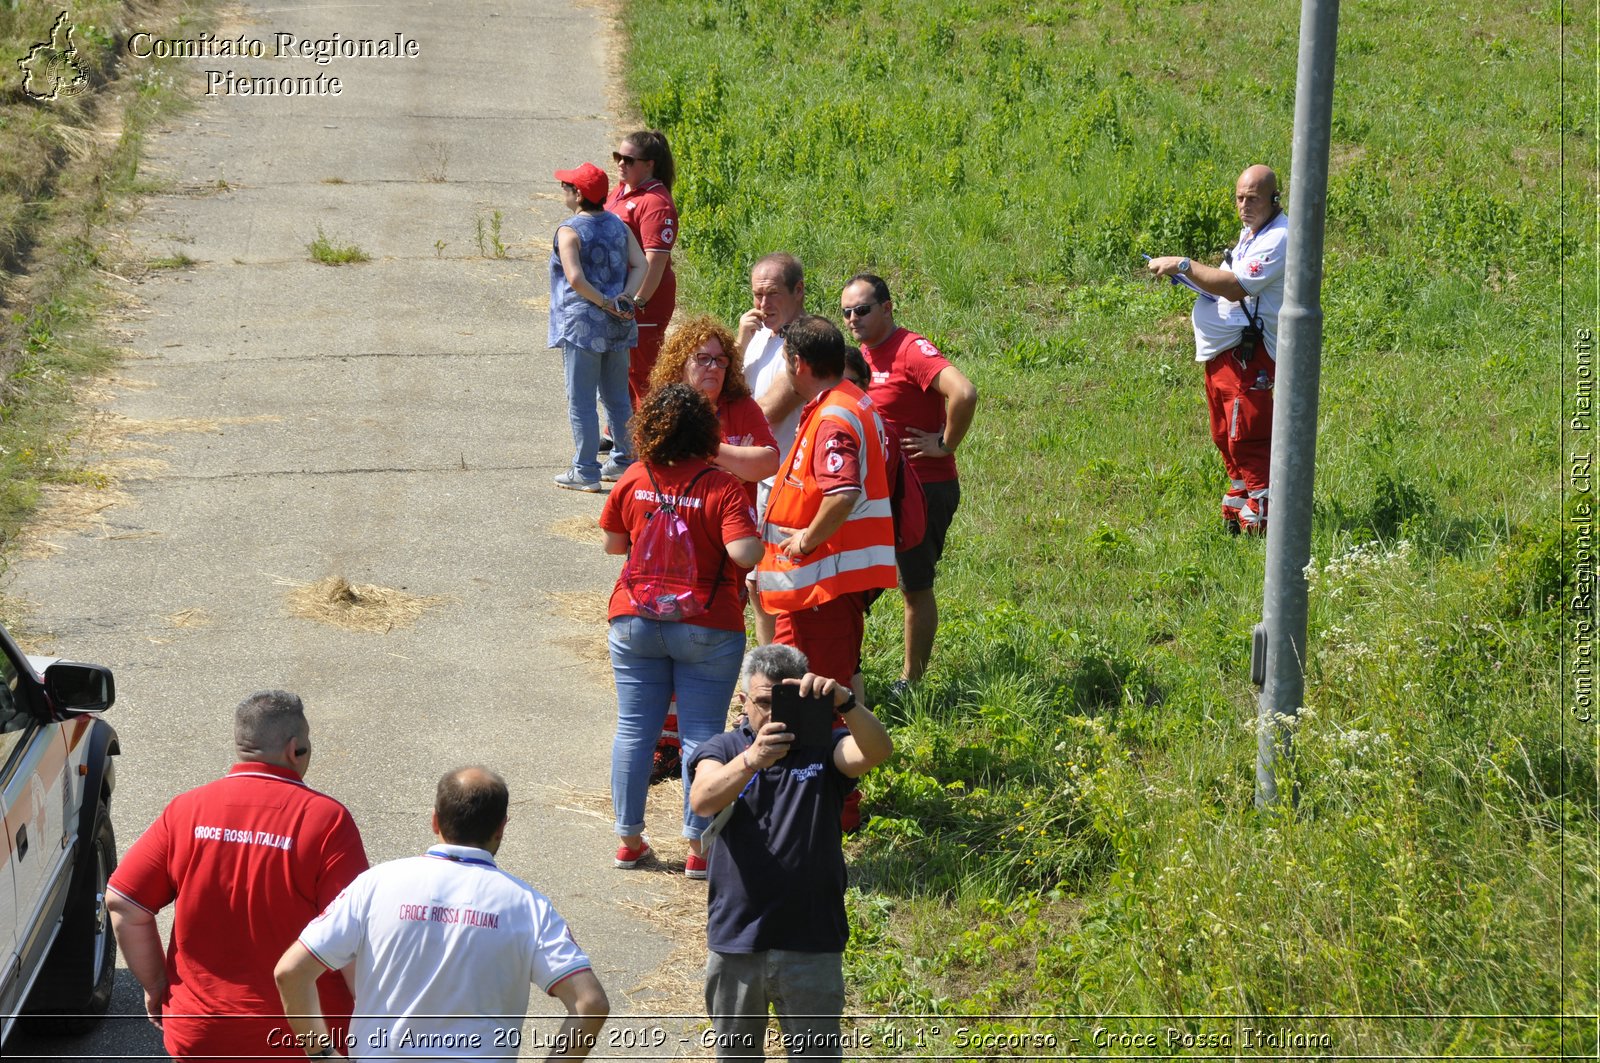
[(56, 769)]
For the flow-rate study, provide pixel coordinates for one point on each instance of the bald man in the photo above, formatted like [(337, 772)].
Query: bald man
[(444, 947), (244, 861), (1236, 338)]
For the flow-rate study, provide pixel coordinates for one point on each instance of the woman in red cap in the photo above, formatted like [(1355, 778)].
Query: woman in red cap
[(596, 267)]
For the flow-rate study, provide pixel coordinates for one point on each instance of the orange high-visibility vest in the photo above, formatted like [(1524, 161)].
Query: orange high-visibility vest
[(857, 557)]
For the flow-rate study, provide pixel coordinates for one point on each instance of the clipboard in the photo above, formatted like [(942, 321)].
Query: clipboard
[(1180, 279)]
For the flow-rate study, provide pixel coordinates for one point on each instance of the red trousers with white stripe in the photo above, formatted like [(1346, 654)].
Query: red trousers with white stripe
[(1240, 399)]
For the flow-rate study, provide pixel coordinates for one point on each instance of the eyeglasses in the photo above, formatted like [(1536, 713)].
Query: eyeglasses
[(856, 311), (626, 160), (711, 361), (301, 751)]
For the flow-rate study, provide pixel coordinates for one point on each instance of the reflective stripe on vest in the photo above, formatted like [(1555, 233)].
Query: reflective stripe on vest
[(812, 572), (857, 557), (866, 509)]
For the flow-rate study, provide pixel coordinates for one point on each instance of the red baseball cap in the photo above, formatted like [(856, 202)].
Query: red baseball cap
[(590, 181)]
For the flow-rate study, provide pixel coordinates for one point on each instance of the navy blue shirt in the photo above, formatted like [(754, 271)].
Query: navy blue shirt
[(776, 877)]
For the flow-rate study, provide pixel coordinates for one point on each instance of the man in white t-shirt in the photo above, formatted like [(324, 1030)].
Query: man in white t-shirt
[(778, 296), (444, 948), (1236, 337)]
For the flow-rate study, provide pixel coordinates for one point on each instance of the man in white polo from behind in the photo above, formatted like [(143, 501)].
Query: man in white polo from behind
[(444, 946)]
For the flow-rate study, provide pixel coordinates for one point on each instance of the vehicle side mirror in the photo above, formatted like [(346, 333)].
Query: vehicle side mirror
[(74, 687)]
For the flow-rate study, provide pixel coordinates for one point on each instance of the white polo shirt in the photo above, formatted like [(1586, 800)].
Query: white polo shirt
[(763, 363), (1258, 262), (445, 947)]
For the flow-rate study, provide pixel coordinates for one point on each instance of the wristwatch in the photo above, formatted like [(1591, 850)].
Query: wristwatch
[(1183, 265), (944, 446), (849, 704)]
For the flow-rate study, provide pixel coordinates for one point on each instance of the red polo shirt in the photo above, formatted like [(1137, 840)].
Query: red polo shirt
[(653, 217), (904, 367), (249, 860)]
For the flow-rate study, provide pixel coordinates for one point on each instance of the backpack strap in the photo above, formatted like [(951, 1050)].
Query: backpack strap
[(660, 498), (722, 555)]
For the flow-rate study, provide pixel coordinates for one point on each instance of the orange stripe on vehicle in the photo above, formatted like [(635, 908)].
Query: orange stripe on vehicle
[(77, 731)]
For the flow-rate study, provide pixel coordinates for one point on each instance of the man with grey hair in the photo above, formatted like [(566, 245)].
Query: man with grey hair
[(775, 924), (777, 297), (247, 860)]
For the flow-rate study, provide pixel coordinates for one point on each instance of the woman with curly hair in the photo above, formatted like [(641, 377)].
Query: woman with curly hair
[(701, 353), (675, 436)]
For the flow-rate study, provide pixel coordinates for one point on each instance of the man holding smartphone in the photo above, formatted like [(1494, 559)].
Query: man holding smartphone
[(776, 926)]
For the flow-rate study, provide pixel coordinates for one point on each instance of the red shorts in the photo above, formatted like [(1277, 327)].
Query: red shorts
[(829, 635)]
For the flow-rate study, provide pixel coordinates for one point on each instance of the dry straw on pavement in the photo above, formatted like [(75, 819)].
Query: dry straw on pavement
[(357, 606)]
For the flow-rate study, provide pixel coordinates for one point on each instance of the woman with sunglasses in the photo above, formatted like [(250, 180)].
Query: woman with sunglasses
[(702, 353), (695, 656), (643, 199)]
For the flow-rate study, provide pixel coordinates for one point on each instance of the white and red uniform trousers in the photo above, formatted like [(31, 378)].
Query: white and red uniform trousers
[(1239, 395), (1239, 382)]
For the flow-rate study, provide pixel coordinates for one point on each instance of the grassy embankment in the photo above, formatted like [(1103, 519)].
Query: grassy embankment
[(66, 167), (1067, 826)]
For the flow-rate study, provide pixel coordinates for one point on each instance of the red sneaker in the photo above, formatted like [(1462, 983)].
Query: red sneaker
[(695, 866), (1253, 517), (630, 858)]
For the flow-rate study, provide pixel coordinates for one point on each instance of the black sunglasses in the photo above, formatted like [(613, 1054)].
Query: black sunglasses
[(617, 156), (861, 310)]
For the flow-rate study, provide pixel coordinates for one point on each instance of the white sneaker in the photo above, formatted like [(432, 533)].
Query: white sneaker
[(573, 482)]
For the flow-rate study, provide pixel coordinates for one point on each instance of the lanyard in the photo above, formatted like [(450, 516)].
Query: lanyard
[(460, 859)]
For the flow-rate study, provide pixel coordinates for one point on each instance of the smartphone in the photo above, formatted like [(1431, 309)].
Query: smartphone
[(810, 720)]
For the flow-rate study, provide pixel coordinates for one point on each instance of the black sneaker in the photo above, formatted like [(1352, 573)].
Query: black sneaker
[(607, 444)]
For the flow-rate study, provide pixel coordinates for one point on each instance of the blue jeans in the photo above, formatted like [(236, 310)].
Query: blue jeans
[(589, 373), (652, 660)]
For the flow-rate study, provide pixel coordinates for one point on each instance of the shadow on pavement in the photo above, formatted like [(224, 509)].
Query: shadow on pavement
[(122, 1036)]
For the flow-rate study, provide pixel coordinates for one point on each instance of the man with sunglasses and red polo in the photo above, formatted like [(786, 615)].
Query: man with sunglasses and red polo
[(927, 405), (248, 861)]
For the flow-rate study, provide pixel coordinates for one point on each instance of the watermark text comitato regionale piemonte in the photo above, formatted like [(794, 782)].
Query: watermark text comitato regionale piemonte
[(279, 45)]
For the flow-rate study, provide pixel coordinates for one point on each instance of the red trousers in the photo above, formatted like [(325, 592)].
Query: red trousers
[(642, 359), (829, 635), (1240, 400)]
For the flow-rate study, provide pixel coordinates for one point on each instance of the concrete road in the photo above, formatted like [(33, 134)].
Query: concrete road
[(395, 423)]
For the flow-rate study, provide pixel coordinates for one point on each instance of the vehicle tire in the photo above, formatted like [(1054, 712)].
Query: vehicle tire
[(74, 988)]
